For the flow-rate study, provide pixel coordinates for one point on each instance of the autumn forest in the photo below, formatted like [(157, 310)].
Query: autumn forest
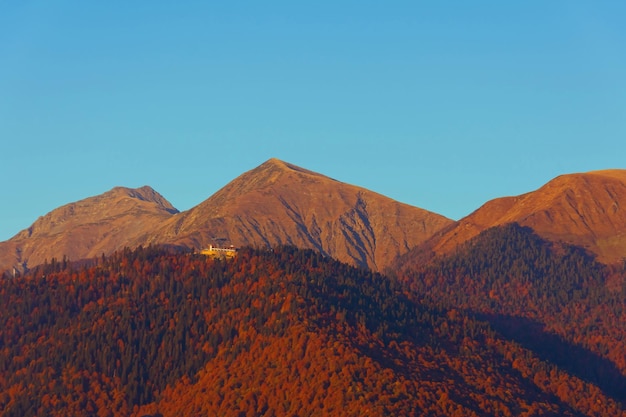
[(509, 324)]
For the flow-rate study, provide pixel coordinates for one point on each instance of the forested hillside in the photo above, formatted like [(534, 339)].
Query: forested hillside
[(553, 299), (271, 333)]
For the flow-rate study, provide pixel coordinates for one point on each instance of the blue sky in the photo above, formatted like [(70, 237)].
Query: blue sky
[(443, 105)]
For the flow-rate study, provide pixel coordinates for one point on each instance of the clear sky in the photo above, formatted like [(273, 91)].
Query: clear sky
[(440, 104)]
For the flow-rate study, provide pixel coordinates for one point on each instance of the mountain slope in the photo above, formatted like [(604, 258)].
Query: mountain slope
[(280, 203), (586, 209), (268, 333), (552, 298), (87, 228)]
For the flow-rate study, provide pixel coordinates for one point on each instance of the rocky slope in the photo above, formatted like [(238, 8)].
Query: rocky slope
[(280, 203), (87, 228), (276, 203)]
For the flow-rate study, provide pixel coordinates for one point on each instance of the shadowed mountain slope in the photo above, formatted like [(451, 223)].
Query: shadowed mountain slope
[(279, 203), (586, 209)]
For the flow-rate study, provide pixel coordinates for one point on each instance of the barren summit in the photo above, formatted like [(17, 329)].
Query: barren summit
[(87, 228), (271, 173), (280, 203), (276, 203)]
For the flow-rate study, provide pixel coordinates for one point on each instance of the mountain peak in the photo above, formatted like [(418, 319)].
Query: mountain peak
[(88, 227), (275, 161), (279, 203), (145, 193), (274, 166), (266, 176)]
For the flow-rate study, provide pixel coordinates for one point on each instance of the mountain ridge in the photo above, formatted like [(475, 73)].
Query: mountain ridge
[(273, 204), (86, 228), (280, 203), (584, 209)]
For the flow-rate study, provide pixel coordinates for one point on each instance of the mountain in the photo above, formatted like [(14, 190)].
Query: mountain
[(583, 209), (87, 228), (279, 203), (550, 297), (285, 332), (276, 203)]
